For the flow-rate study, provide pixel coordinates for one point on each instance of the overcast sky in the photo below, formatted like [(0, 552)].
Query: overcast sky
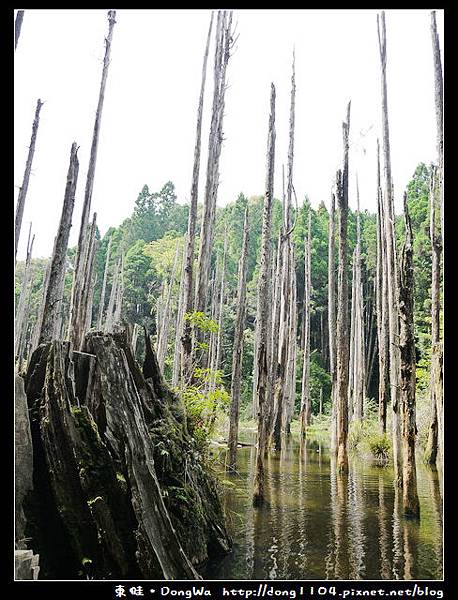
[(149, 116)]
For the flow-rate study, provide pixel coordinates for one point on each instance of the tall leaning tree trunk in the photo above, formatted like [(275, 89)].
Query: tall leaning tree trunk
[(79, 298), (53, 299), (187, 302), (238, 346), (332, 325), (25, 180), (18, 26), (436, 230), (411, 505), (342, 341), (222, 53), (392, 270), (382, 308), (306, 403), (264, 305)]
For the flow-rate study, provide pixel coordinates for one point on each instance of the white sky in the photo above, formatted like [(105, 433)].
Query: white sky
[(149, 116)]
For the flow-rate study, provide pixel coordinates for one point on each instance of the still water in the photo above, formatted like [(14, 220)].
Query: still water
[(320, 526)]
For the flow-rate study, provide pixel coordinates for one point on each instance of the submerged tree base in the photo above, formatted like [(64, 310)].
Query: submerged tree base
[(120, 488)]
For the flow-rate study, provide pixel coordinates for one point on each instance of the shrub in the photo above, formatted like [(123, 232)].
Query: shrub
[(380, 447)]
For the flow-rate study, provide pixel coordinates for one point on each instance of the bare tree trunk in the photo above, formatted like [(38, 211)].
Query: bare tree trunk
[(359, 367), (306, 404), (79, 302), (119, 294), (332, 325), (53, 298), (104, 286), (109, 318), (25, 180), (223, 45), (238, 346), (392, 274), (262, 365), (179, 322), (351, 362), (164, 332), (187, 304), (279, 388), (382, 306), (135, 338), (342, 342), (21, 317), (219, 335), (371, 344), (288, 410), (439, 105), (434, 445), (435, 438), (89, 284), (18, 26), (208, 359), (37, 328), (411, 503)]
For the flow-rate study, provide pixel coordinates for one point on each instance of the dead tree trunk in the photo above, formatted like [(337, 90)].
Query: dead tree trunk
[(439, 105), (288, 410), (392, 274), (262, 334), (222, 54), (187, 303), (351, 363), (119, 294), (21, 317), (332, 326), (215, 287), (179, 322), (37, 327), (434, 444), (53, 298), (411, 503), (104, 286), (114, 294), (342, 342), (382, 306), (219, 335), (279, 388), (79, 302), (238, 346), (25, 180), (359, 367), (18, 26), (306, 404), (435, 438), (371, 349), (164, 332)]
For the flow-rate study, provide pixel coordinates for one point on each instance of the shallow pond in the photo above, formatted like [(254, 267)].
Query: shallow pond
[(319, 526)]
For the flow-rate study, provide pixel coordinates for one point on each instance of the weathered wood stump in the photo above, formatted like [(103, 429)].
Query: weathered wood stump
[(120, 489)]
